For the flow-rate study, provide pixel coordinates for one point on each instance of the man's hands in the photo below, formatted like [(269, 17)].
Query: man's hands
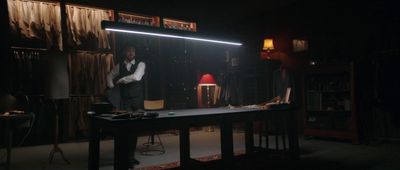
[(120, 81), (114, 83), (117, 82)]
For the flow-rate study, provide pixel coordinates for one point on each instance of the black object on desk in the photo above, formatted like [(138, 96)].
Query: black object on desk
[(102, 107), (128, 115), (151, 115)]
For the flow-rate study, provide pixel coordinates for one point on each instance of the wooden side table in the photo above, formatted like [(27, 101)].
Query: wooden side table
[(10, 122)]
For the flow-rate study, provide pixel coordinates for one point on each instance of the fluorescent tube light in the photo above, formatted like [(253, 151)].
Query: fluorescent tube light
[(172, 36)]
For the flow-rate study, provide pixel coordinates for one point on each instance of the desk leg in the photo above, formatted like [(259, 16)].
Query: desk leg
[(94, 147), (226, 143), (249, 138), (293, 135), (184, 146), (9, 137), (121, 153)]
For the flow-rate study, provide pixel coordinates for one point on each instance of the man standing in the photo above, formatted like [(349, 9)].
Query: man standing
[(128, 76)]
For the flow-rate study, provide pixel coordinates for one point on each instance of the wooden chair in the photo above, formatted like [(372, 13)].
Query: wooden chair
[(275, 128), (151, 144)]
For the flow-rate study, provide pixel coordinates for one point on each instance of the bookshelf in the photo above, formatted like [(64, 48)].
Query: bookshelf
[(329, 102)]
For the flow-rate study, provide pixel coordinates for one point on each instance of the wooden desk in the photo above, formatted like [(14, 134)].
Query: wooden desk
[(183, 120), (10, 122)]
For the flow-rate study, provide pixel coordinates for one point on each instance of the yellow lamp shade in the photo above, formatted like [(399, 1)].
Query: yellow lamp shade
[(268, 44)]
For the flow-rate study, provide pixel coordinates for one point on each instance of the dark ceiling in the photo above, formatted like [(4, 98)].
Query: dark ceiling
[(253, 16), (205, 9), (208, 14), (231, 16)]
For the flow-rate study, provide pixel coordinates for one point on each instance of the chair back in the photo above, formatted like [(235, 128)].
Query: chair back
[(154, 104)]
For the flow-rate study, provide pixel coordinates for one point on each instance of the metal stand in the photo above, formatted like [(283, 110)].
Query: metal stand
[(56, 148), (151, 145)]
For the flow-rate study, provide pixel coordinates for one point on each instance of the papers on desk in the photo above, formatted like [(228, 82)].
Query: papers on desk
[(270, 105), (129, 115), (13, 112), (253, 106), (120, 114)]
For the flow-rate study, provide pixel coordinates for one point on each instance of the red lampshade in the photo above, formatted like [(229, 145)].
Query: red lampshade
[(207, 79)]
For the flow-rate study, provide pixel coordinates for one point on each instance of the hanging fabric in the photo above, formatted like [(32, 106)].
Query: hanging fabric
[(84, 27), (27, 71), (76, 108), (36, 20), (88, 72)]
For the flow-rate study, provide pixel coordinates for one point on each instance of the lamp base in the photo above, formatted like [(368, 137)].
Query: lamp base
[(51, 157), (55, 150)]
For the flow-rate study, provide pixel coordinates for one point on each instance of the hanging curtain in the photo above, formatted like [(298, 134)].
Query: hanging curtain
[(88, 72), (84, 27), (36, 20)]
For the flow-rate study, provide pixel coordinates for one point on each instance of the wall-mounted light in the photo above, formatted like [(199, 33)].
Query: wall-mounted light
[(150, 31), (268, 44), (267, 47)]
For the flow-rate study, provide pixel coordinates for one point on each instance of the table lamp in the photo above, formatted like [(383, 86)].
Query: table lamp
[(208, 81)]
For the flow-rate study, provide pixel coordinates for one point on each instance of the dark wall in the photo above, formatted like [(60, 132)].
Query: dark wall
[(365, 33), (4, 49), (174, 67)]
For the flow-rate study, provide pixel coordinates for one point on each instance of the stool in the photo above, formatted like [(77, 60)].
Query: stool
[(151, 144)]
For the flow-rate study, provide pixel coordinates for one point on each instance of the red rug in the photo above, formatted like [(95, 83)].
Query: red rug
[(176, 163)]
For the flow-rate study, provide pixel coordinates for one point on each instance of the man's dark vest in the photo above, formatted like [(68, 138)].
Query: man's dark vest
[(133, 89)]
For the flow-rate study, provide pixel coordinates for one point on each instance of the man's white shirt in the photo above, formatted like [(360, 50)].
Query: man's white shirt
[(136, 76)]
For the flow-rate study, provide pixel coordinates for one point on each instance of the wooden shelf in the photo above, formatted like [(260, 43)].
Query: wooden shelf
[(316, 91), (331, 134), (329, 69), (330, 111), (330, 87)]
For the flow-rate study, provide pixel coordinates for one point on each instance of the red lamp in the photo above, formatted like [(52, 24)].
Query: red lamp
[(207, 80)]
